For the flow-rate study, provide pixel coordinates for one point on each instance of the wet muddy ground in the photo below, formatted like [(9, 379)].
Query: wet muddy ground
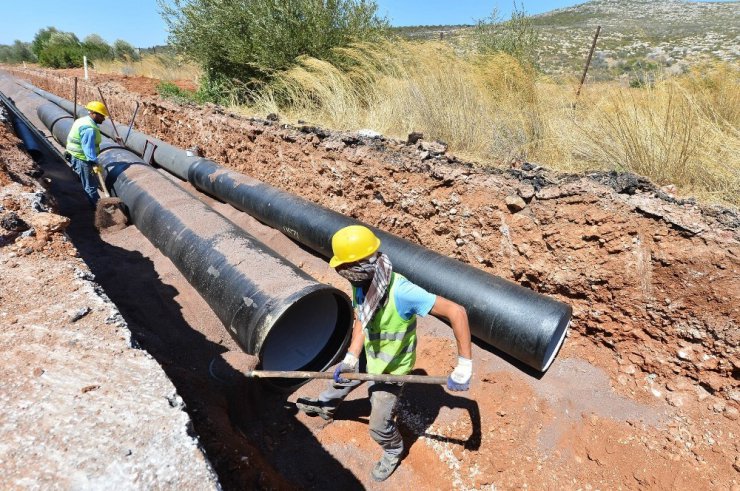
[(644, 393)]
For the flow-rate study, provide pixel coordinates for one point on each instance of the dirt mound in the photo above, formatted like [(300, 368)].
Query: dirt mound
[(653, 280)]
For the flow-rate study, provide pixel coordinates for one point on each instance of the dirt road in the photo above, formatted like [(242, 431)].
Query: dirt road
[(644, 394)]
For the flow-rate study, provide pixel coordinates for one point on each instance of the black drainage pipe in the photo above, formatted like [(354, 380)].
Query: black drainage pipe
[(272, 308), (524, 324)]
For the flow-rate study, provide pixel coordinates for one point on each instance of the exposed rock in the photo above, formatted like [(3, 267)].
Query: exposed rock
[(13, 223), (434, 148), (414, 137), (515, 203), (526, 191), (335, 146)]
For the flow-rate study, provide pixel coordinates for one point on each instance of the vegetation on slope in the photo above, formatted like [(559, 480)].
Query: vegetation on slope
[(677, 130), (664, 104)]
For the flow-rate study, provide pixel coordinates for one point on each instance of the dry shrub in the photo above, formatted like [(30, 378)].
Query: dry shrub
[(674, 132), (396, 88), (163, 67), (682, 130)]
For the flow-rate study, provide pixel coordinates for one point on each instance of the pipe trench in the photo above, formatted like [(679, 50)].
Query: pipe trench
[(524, 324), (272, 308)]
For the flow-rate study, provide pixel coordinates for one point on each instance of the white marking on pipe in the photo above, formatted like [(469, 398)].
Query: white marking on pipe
[(248, 301), (213, 272)]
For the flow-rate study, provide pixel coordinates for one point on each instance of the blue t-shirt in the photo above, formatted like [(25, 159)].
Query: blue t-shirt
[(410, 299), (87, 142)]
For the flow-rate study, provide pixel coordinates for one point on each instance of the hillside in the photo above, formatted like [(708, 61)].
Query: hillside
[(639, 34), (636, 35)]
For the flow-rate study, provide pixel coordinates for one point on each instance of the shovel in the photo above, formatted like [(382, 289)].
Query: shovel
[(109, 212), (413, 379)]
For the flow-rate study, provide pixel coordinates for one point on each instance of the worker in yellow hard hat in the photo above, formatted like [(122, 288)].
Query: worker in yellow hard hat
[(386, 306), (83, 147)]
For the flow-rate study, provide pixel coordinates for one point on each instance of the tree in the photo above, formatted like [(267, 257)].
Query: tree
[(252, 39), (60, 50), (516, 37), (95, 48), (41, 39), (18, 52), (124, 51)]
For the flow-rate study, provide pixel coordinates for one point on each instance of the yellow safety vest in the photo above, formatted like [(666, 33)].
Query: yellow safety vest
[(390, 340), (74, 140)]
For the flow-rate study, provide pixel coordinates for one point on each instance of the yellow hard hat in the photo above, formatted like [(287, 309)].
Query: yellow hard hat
[(351, 244), (97, 107)]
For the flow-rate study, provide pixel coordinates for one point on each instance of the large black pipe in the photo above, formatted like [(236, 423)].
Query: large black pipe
[(172, 158), (272, 308), (520, 322)]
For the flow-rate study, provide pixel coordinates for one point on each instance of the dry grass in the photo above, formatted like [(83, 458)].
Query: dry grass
[(681, 131), (167, 68)]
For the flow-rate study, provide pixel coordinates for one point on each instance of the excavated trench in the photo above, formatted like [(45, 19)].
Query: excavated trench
[(653, 280)]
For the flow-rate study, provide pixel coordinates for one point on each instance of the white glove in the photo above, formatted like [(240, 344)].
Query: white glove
[(349, 364), (460, 377), (350, 360)]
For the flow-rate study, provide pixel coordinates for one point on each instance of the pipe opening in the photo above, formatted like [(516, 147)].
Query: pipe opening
[(556, 341), (309, 334)]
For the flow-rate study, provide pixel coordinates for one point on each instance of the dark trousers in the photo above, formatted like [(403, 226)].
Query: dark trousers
[(383, 401), (83, 169)]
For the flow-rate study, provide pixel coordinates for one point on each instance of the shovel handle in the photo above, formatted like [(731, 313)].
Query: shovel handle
[(102, 185), (413, 379)]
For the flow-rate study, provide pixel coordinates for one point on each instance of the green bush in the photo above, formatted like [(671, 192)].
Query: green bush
[(95, 48), (241, 44), (17, 52)]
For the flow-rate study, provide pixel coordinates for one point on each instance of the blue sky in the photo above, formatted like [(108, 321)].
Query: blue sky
[(139, 22)]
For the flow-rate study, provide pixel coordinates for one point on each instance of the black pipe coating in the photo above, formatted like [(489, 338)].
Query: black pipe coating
[(172, 158), (272, 308), (520, 322)]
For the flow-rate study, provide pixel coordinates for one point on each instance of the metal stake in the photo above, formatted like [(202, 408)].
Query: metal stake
[(110, 116), (588, 62)]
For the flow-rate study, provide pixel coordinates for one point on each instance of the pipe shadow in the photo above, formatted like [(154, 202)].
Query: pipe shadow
[(523, 367), (155, 319), (285, 441)]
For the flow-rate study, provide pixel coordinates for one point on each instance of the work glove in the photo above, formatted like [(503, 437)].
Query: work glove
[(97, 169), (459, 379), (349, 364)]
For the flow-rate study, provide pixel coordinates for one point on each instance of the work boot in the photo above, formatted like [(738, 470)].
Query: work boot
[(385, 467), (315, 407)]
